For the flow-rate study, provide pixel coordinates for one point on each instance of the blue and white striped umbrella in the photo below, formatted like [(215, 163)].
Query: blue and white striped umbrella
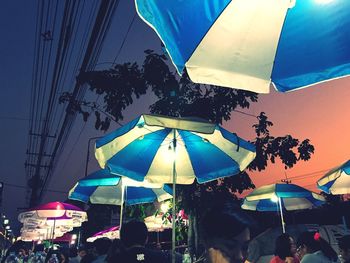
[(336, 181), (108, 189), (279, 197), (161, 149), (144, 150), (249, 44)]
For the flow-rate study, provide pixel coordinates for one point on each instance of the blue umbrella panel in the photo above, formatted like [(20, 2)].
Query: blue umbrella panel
[(251, 44), (279, 197), (150, 146), (114, 195), (337, 180)]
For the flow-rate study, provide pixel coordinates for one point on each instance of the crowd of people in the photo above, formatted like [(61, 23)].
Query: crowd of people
[(226, 239)]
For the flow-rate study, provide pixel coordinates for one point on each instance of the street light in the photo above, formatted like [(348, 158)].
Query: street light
[(7, 227), (6, 221)]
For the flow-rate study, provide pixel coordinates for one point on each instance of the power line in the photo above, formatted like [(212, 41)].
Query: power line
[(308, 174), (88, 63), (245, 113), (124, 40)]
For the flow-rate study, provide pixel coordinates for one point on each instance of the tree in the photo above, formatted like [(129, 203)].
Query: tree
[(179, 97)]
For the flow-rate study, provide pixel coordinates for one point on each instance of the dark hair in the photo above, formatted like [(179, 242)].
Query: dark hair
[(73, 252), (344, 242), (314, 242), (102, 245), (39, 248), (134, 233), (53, 252), (88, 258), (115, 249), (82, 248), (283, 246), (65, 254), (15, 247), (219, 230)]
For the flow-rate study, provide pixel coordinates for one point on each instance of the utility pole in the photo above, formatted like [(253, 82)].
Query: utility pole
[(40, 180), (88, 154), (286, 179)]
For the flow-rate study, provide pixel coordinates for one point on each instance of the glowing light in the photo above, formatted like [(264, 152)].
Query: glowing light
[(6, 221), (274, 199), (74, 237), (7, 227), (39, 242), (164, 207), (72, 242), (323, 1)]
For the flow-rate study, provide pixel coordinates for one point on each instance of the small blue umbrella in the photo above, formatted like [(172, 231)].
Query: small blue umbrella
[(163, 150), (279, 197), (113, 194), (336, 181), (249, 44), (102, 187)]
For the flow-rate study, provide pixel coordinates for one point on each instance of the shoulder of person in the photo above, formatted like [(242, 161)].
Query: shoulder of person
[(275, 259), (310, 258), (292, 260), (156, 255)]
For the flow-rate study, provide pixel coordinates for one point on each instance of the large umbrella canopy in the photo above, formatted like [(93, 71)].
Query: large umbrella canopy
[(144, 150), (54, 210), (50, 220), (337, 180), (279, 197), (284, 191), (111, 192), (247, 44), (296, 203), (32, 232)]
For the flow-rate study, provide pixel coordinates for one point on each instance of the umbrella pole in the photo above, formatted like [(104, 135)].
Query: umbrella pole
[(281, 213), (121, 207), (53, 232), (174, 203)]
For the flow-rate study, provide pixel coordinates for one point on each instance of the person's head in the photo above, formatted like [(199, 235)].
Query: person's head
[(88, 258), (22, 252), (39, 248), (73, 252), (102, 246), (64, 256), (82, 251), (18, 247), (134, 233), (51, 253), (344, 248), (285, 246), (310, 242), (224, 234), (114, 249)]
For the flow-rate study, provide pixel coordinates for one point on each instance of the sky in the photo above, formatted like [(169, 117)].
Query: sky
[(320, 113)]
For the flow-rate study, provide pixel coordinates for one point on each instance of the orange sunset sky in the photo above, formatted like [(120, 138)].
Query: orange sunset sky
[(320, 113)]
